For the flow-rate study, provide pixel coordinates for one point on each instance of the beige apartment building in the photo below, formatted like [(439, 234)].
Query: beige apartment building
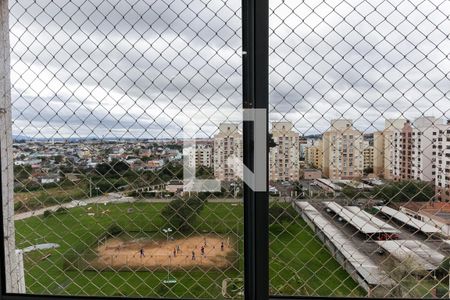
[(343, 147), (284, 158), (228, 152), (378, 153), (368, 156), (314, 154), (383, 144)]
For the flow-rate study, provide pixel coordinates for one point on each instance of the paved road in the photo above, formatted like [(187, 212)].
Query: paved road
[(113, 198), (72, 204)]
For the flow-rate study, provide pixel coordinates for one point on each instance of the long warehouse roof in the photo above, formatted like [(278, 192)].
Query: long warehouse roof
[(371, 272), (408, 220), (422, 255), (362, 225), (371, 218)]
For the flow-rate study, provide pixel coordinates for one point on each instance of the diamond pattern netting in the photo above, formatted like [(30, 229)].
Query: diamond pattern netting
[(361, 91), (104, 93)]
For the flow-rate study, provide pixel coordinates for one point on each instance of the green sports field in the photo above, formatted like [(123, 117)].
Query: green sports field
[(299, 264)]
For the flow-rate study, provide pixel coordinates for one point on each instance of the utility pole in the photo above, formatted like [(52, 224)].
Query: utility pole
[(10, 268)]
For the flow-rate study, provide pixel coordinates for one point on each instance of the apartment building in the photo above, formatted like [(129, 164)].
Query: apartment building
[(378, 153), (368, 155), (228, 152), (343, 147), (441, 154), (412, 150), (402, 148), (425, 129), (284, 158), (314, 154), (199, 155), (303, 145), (383, 146)]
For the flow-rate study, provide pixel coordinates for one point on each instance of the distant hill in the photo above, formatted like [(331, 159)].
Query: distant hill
[(19, 137)]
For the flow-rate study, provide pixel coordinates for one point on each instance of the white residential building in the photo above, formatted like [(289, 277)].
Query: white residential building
[(422, 165), (199, 155), (441, 151)]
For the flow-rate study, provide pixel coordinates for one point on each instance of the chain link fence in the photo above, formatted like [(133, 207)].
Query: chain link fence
[(116, 103), (106, 95), (359, 103)]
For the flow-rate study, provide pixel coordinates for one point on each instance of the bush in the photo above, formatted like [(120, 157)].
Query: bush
[(18, 206), (350, 192), (114, 229), (47, 213), (182, 213), (62, 210), (404, 191)]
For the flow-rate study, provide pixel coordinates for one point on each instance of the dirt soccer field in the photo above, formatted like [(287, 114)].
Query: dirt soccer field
[(179, 253)]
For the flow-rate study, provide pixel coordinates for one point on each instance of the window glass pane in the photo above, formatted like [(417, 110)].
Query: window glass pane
[(128, 147), (359, 190)]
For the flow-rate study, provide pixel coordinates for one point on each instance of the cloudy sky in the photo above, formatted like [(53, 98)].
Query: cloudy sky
[(150, 68)]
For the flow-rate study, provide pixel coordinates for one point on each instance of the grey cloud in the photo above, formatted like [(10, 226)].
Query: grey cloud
[(143, 66)]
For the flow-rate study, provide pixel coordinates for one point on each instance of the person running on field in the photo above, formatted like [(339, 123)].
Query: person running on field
[(193, 255), (221, 246), (141, 252)]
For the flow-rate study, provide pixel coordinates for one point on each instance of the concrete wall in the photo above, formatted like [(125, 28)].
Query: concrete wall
[(13, 279)]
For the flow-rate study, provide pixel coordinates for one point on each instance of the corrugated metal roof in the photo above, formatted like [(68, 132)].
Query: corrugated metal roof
[(422, 255), (363, 225), (408, 220), (371, 273), (371, 218)]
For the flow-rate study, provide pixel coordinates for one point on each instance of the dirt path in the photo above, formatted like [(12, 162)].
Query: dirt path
[(180, 253)]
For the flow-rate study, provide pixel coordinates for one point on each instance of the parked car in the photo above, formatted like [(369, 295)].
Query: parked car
[(388, 236)]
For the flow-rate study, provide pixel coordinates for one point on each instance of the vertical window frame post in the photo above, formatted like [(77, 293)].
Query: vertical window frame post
[(255, 16)]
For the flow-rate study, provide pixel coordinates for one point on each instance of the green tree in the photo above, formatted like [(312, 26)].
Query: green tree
[(182, 214), (172, 170), (350, 192), (404, 191), (114, 169), (22, 172), (120, 166), (203, 172), (103, 169), (59, 159), (368, 170), (444, 272)]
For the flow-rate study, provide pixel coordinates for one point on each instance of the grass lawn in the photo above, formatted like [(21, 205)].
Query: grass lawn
[(301, 265), (30, 200), (297, 258)]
